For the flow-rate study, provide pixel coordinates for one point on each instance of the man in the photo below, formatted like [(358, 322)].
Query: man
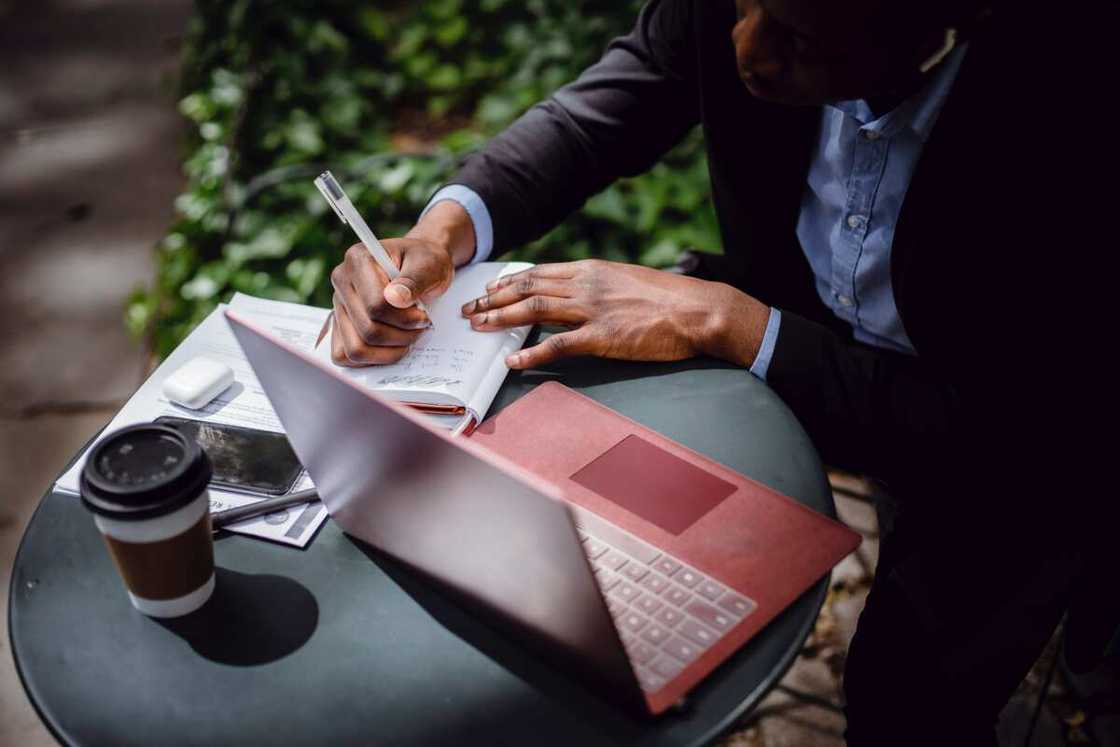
[(894, 211)]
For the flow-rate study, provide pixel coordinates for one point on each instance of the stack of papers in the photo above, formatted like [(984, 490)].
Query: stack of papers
[(244, 403)]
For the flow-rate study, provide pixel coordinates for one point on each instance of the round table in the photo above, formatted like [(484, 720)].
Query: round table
[(337, 644)]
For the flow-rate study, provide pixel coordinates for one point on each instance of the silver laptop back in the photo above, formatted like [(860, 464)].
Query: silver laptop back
[(497, 536)]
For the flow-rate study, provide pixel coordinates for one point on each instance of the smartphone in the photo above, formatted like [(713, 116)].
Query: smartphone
[(246, 460)]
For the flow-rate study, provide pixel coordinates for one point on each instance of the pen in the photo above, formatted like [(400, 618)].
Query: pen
[(334, 195), (220, 519)]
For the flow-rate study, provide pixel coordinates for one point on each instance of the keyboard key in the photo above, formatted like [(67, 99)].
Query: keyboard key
[(684, 650), (612, 559), (651, 682), (736, 604), (655, 634), (710, 589), (676, 595), (607, 580), (666, 565), (686, 577), (615, 536), (633, 622), (713, 616), (640, 652), (626, 591), (669, 617), (649, 604), (667, 667), (634, 571), (655, 583), (594, 548), (697, 633)]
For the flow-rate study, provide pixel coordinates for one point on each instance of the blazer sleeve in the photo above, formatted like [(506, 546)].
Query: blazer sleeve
[(617, 119), (867, 410)]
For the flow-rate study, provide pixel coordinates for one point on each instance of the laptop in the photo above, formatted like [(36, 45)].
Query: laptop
[(540, 525)]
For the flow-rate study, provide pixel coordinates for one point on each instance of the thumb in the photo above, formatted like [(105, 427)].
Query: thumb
[(421, 273)]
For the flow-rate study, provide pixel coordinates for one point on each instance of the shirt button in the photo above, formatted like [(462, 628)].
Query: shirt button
[(844, 300), (871, 135), (854, 221)]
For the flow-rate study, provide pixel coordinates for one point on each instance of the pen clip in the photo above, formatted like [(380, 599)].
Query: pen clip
[(331, 192)]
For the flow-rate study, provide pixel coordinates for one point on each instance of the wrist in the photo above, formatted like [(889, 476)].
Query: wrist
[(448, 226), (736, 326)]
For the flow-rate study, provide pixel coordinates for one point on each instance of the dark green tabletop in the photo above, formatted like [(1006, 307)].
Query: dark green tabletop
[(336, 644)]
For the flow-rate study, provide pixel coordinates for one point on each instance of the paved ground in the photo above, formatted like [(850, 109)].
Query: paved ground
[(89, 146), (88, 170)]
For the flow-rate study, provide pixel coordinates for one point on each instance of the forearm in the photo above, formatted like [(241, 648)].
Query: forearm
[(736, 326), (447, 224)]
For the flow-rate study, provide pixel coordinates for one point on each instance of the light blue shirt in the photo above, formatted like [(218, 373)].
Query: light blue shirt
[(857, 181), (860, 170), (476, 209)]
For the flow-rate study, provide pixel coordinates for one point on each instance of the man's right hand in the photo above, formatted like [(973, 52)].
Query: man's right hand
[(375, 321)]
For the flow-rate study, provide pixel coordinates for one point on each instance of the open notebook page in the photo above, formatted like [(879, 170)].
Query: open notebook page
[(450, 364)]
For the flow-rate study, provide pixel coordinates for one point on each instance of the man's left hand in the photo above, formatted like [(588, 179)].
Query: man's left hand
[(622, 311)]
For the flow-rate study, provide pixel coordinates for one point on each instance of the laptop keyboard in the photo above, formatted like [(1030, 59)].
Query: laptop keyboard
[(666, 612)]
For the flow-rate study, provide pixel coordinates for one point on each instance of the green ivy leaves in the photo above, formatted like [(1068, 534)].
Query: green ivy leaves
[(388, 95)]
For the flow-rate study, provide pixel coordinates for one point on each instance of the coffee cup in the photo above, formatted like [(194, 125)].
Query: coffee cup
[(147, 487)]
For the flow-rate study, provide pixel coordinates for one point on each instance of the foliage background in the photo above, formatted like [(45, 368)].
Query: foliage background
[(390, 96)]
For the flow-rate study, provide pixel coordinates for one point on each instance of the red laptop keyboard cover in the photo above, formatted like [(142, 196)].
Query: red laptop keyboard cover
[(752, 539)]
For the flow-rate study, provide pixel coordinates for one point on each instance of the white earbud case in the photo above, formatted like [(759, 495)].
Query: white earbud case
[(197, 383)]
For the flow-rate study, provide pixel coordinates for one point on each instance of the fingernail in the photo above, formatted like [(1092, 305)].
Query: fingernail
[(469, 307), (492, 285), (479, 319), (403, 294), (514, 361)]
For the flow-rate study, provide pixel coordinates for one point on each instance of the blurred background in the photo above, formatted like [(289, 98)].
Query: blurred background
[(156, 157)]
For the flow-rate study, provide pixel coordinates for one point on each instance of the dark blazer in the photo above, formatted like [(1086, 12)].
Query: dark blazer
[(998, 206)]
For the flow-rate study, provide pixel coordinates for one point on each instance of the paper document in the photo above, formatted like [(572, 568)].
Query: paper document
[(451, 364), (243, 403)]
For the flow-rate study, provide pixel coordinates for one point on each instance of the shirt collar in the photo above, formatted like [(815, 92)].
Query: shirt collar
[(919, 112)]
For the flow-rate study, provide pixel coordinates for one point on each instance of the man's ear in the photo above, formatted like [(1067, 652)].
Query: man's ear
[(947, 45)]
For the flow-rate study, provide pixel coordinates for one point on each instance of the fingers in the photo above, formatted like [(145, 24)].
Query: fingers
[(555, 270), (378, 345), (425, 273), (576, 342), (532, 310), (525, 286), (360, 282)]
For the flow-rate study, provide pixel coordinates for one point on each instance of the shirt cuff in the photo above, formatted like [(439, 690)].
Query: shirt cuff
[(766, 350), (476, 209)]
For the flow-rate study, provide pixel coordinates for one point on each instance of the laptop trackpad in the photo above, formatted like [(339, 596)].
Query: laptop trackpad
[(648, 481)]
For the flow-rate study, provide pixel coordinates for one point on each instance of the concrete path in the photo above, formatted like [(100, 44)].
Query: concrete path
[(89, 166)]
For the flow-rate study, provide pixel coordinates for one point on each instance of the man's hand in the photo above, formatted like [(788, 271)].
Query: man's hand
[(376, 321), (622, 311)]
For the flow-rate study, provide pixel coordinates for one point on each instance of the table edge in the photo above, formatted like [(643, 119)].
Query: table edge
[(53, 728)]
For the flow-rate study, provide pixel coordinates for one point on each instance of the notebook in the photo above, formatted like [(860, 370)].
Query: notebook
[(451, 368)]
